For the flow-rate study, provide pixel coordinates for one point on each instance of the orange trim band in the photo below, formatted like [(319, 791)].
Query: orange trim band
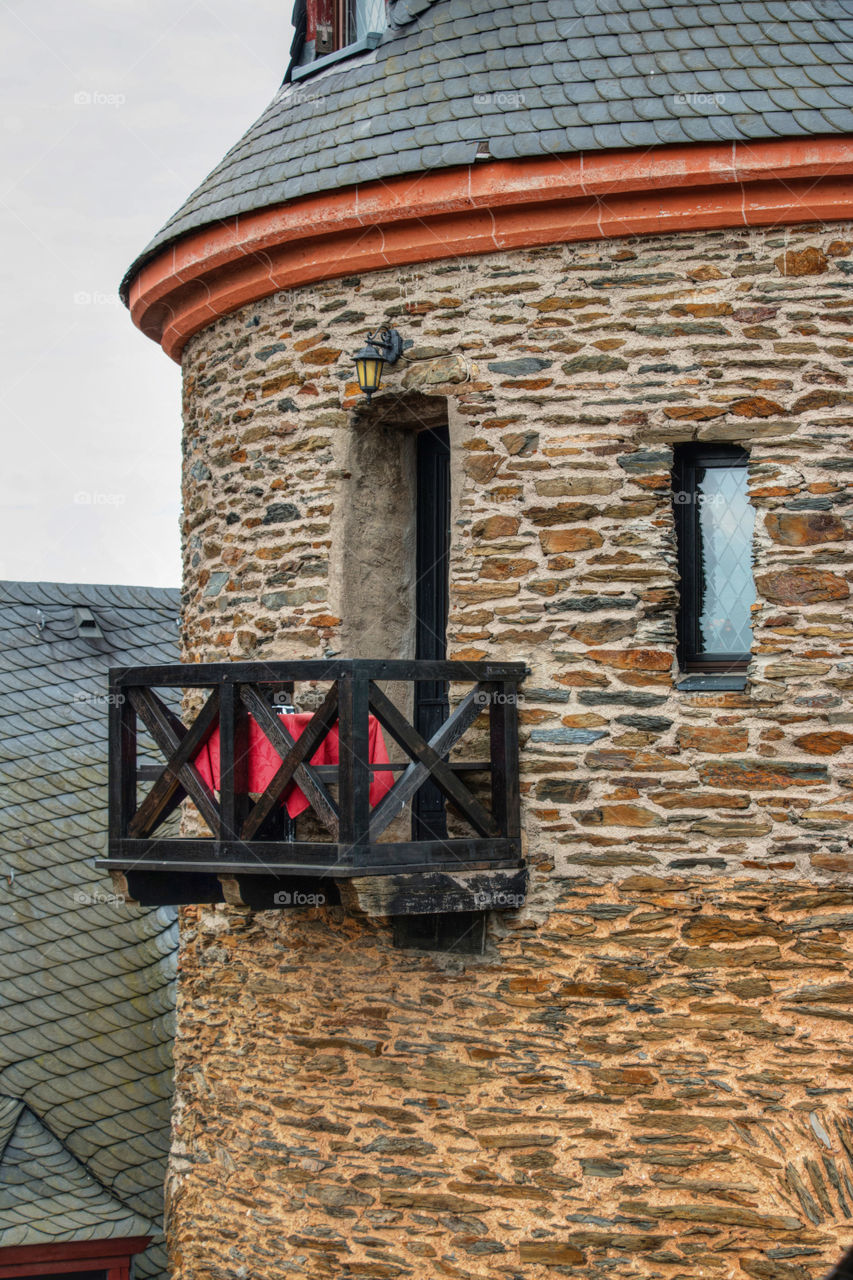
[(486, 208)]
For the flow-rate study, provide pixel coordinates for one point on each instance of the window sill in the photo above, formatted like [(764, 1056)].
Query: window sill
[(712, 683), (370, 41)]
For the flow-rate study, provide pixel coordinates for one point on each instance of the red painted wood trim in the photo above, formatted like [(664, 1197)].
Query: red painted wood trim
[(482, 209), (112, 1256)]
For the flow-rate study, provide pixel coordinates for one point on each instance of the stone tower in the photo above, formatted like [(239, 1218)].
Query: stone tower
[(614, 238)]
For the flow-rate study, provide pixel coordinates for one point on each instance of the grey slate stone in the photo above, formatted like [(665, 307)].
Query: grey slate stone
[(86, 986), (783, 69), (47, 1195)]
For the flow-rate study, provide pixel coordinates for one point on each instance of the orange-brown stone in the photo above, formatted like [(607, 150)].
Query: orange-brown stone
[(802, 586), (633, 761), (761, 775), (841, 863), (591, 633), (694, 412), (706, 272), (755, 407), (550, 1253), (824, 744), (633, 659), (699, 800), (500, 570), (497, 527), (321, 356), (804, 528), (700, 309), (821, 400), (699, 738), (619, 815), (547, 516), (804, 262), (582, 680), (274, 385), (482, 466)]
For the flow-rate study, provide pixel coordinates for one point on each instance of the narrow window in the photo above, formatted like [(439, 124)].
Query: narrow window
[(714, 523)]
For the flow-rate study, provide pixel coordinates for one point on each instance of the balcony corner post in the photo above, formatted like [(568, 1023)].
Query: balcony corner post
[(122, 755), (503, 739), (353, 754), (233, 748)]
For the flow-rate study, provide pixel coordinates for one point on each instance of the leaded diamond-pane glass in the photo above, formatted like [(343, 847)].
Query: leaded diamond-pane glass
[(369, 18), (726, 522)]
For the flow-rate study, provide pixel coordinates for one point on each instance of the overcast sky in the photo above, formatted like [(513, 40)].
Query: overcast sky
[(111, 112)]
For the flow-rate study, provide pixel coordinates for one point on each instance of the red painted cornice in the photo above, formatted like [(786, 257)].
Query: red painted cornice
[(485, 208)]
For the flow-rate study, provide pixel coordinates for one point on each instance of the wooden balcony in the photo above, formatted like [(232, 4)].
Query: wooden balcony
[(241, 843)]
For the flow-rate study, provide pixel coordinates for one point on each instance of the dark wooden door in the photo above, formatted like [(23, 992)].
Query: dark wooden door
[(429, 821)]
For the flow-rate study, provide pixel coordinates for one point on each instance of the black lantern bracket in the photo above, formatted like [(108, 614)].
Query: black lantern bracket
[(388, 343)]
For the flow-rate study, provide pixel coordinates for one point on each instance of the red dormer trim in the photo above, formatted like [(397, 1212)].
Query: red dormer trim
[(488, 207), (311, 20), (110, 1256)]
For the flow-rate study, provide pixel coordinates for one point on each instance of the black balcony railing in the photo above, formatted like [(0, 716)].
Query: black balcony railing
[(248, 832)]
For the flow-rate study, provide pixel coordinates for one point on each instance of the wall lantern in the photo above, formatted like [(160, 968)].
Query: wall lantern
[(383, 347)]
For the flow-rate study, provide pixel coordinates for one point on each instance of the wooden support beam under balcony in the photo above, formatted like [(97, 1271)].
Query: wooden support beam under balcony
[(281, 805)]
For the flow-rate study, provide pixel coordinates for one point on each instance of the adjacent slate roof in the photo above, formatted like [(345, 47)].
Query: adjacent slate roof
[(46, 1194), (537, 78), (86, 982)]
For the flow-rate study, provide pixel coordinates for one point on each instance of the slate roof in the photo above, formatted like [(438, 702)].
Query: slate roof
[(86, 983), (537, 78)]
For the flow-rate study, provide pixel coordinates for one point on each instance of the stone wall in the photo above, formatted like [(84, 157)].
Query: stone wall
[(568, 373), (647, 1072), (650, 1080)]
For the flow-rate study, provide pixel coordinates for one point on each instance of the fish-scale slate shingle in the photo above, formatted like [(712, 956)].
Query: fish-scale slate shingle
[(86, 983), (533, 79), (47, 1195)]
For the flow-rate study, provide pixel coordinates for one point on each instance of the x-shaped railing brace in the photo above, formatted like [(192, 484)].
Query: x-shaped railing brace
[(180, 746)]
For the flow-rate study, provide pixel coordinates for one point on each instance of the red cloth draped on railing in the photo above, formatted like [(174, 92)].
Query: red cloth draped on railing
[(264, 760)]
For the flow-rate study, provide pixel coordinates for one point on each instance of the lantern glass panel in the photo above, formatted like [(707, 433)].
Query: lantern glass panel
[(369, 372)]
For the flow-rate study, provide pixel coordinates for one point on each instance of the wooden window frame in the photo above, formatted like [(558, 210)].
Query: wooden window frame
[(345, 23), (336, 26), (689, 459)]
